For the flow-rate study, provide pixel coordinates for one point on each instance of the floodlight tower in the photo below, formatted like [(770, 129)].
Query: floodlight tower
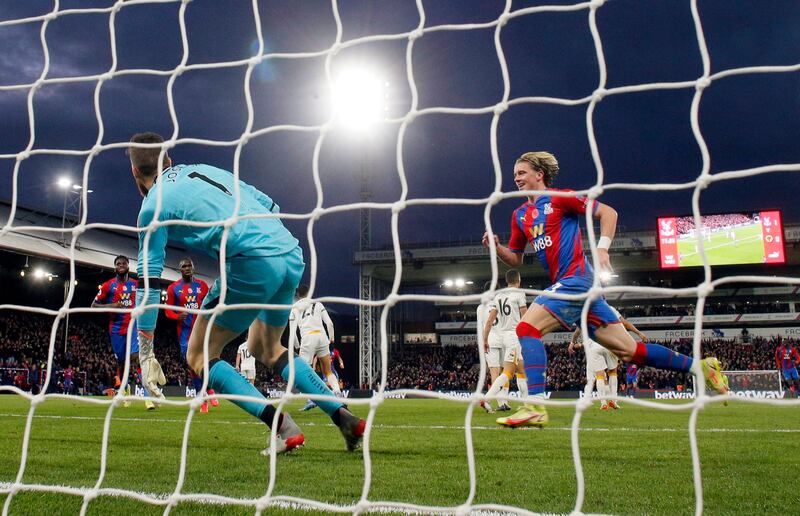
[(360, 102), (73, 205)]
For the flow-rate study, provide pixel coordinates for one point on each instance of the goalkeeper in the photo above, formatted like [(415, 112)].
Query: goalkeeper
[(263, 265), (551, 224)]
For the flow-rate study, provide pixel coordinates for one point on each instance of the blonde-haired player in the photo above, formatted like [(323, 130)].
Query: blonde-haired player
[(492, 348), (316, 335), (246, 363)]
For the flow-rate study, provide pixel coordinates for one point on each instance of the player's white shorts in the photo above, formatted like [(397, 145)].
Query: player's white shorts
[(314, 345), (250, 374), (511, 348), (599, 358), (495, 354)]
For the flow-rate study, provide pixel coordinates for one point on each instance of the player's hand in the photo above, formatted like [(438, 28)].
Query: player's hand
[(116, 304), (604, 260), (485, 240), (486, 348), (182, 316), (642, 336), (571, 348)]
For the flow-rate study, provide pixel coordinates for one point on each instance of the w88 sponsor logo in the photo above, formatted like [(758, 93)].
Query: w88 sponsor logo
[(542, 243)]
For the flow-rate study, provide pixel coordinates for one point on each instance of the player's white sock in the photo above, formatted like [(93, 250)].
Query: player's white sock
[(613, 384), (499, 382), (503, 392), (602, 388), (522, 385), (587, 390), (334, 383)]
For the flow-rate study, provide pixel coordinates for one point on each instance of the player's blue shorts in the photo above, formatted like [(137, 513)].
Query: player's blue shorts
[(257, 279), (568, 312), (118, 343), (184, 344), (790, 374), (630, 380)]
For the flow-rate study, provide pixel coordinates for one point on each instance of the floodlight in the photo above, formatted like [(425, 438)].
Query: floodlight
[(448, 283), (39, 274), (460, 283), (359, 98), (64, 182)]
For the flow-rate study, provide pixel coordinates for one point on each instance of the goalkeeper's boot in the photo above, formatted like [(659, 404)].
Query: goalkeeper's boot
[(214, 401), (487, 407), (288, 437), (525, 416), (352, 428), (715, 379)]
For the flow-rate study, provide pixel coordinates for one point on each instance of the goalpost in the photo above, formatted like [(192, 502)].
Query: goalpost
[(590, 8)]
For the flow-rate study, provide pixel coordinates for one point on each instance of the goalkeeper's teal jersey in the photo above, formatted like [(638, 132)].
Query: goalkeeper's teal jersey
[(202, 193)]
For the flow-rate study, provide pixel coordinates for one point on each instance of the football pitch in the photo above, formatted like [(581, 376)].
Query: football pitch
[(636, 460), (748, 248)]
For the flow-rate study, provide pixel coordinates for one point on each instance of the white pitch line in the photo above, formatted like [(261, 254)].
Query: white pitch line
[(431, 427)]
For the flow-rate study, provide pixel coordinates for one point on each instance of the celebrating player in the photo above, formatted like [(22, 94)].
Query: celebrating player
[(263, 265), (492, 348), (631, 379), (787, 359), (246, 363), (551, 223), (188, 292), (120, 292), (316, 335), (508, 306)]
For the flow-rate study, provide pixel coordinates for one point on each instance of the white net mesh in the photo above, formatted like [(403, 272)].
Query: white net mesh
[(702, 181)]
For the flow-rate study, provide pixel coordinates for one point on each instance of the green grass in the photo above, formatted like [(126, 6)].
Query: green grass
[(636, 460), (749, 248)]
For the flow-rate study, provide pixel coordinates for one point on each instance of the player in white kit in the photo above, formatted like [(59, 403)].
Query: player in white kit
[(493, 348), (602, 364), (316, 335), (507, 308), (246, 363)]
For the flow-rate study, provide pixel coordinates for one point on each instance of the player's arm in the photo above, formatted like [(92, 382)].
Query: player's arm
[(796, 356), (487, 328), (326, 319), (608, 228), (341, 362), (150, 271), (778, 358), (513, 254), (172, 314), (633, 329), (262, 198), (102, 295), (239, 360), (575, 342)]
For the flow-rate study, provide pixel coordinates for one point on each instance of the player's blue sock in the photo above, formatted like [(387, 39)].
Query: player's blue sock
[(660, 357), (307, 382), (535, 357), (197, 383), (224, 379)]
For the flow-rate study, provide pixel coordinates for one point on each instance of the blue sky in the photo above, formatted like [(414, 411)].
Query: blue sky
[(747, 121)]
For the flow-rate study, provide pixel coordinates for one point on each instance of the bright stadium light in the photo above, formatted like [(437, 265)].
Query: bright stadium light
[(359, 98), (460, 283), (607, 276), (39, 273), (448, 283), (64, 182)]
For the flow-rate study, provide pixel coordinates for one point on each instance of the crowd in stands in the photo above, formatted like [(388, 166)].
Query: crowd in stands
[(710, 309), (88, 366), (457, 368), (686, 224)]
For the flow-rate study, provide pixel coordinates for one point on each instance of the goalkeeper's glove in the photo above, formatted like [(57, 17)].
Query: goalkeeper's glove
[(152, 374)]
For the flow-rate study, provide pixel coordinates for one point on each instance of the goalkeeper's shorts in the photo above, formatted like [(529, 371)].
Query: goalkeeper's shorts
[(568, 311), (257, 279), (119, 342)]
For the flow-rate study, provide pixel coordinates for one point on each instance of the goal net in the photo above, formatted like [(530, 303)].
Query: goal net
[(29, 92), (764, 383)]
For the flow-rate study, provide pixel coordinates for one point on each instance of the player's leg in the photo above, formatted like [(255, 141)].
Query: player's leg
[(602, 387), (119, 346), (308, 354), (590, 379), (611, 363), (267, 348), (522, 379), (324, 358), (616, 339)]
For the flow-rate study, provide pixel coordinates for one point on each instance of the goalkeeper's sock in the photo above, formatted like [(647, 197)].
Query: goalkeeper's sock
[(306, 381), (225, 379), (660, 357), (534, 356)]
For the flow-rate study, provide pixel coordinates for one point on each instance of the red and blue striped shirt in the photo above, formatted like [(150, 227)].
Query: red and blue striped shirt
[(786, 357), (552, 226), (187, 295), (122, 292)]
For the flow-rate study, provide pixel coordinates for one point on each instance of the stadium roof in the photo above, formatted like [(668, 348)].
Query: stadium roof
[(96, 247)]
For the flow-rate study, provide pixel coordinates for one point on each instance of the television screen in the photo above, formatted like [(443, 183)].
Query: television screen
[(728, 239)]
